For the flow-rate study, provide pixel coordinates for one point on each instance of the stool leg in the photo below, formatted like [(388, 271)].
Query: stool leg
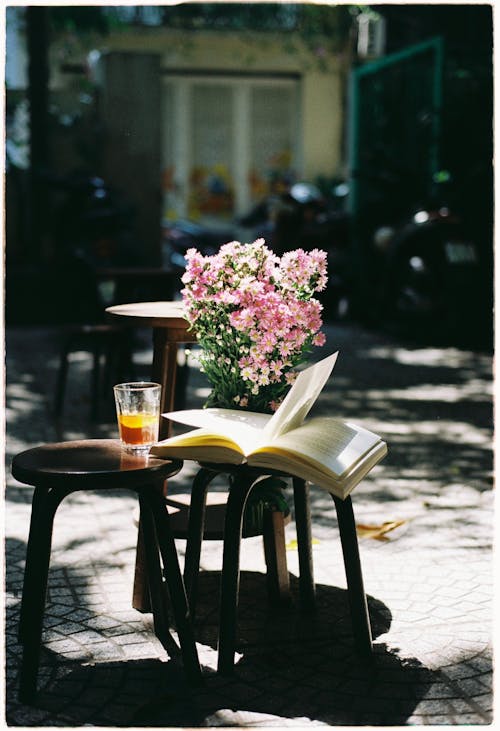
[(357, 598), (96, 379), (33, 554), (111, 350), (157, 589), (230, 578), (36, 573), (174, 581), (304, 543), (195, 531), (62, 377), (140, 596)]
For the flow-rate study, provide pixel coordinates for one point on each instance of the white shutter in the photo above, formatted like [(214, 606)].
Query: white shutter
[(224, 140), (211, 174), (273, 114)]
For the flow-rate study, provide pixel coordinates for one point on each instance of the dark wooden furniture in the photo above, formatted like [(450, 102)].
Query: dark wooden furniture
[(242, 480), (87, 330), (82, 327), (57, 470), (111, 341), (170, 328), (214, 512)]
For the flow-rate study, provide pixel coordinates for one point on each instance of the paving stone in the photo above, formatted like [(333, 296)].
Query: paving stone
[(470, 686), (431, 609), (435, 707)]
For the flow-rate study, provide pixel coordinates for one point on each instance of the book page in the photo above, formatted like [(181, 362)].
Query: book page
[(300, 399), (251, 429), (201, 445), (246, 428), (334, 444), (305, 467)]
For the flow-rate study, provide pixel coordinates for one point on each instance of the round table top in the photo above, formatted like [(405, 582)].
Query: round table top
[(89, 463), (157, 314)]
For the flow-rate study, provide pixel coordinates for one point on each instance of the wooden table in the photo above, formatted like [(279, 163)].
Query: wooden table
[(169, 329)]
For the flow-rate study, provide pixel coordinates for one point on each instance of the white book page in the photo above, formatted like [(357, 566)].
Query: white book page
[(336, 445), (300, 399), (252, 429), (244, 427)]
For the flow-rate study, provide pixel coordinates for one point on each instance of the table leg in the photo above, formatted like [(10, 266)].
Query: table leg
[(195, 534), (163, 372), (278, 579)]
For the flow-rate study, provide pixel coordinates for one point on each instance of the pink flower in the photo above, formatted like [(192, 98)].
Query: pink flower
[(255, 317), (276, 367), (319, 339)]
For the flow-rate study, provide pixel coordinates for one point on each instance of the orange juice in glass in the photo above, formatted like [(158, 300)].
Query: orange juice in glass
[(138, 414)]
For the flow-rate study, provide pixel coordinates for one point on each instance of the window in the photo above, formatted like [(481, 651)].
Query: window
[(227, 142)]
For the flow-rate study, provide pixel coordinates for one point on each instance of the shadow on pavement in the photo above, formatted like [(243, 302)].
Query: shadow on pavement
[(434, 407), (289, 666)]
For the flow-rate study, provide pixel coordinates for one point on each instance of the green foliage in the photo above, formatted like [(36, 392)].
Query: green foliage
[(231, 16), (266, 495), (78, 19), (311, 22)]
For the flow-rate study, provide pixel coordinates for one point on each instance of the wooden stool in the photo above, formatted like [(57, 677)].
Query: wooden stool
[(203, 525), (101, 339), (242, 480), (55, 471)]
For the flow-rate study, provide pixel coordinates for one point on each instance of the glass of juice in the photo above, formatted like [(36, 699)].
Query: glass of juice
[(138, 414)]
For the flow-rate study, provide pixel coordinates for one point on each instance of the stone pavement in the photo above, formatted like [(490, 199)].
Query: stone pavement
[(429, 583)]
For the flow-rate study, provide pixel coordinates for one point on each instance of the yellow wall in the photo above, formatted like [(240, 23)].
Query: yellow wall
[(321, 93), (322, 124)]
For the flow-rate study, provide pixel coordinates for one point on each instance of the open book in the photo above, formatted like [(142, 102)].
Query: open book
[(331, 453)]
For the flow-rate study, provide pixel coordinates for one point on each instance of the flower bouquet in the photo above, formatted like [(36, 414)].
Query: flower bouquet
[(255, 319)]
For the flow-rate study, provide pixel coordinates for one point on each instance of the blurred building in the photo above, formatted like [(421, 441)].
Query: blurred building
[(227, 113), (199, 110)]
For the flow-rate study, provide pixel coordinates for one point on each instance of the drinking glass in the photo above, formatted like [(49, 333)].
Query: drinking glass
[(138, 414)]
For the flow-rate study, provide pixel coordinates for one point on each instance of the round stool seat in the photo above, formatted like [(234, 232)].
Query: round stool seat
[(89, 464)]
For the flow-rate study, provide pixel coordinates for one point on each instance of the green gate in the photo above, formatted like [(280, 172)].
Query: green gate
[(394, 143), (395, 121)]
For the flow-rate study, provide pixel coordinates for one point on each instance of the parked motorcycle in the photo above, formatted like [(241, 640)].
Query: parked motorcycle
[(180, 235), (309, 217), (424, 269), (429, 273), (301, 217)]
